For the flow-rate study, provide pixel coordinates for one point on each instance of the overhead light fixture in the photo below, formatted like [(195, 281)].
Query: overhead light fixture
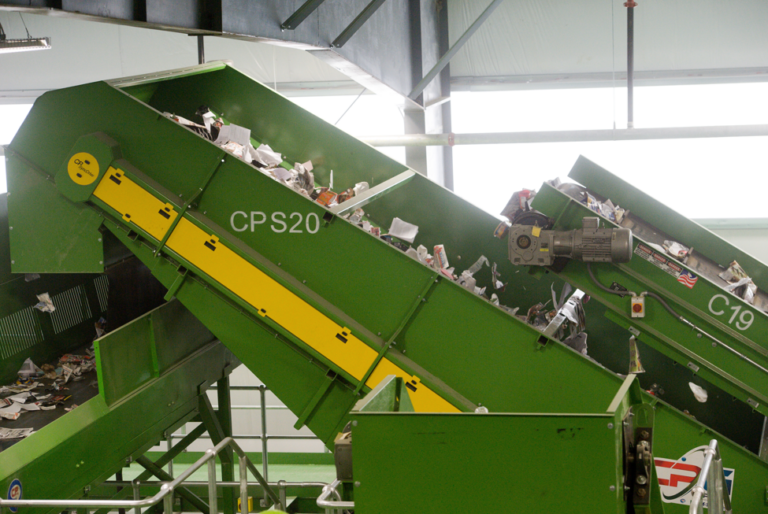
[(23, 45)]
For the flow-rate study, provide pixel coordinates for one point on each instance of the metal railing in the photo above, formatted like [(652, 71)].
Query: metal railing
[(713, 476), (281, 486), (333, 506), (165, 494), (264, 437)]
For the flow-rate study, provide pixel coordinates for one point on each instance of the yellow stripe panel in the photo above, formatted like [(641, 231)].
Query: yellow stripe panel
[(423, 399), (282, 306), (272, 300), (135, 204), (293, 313)]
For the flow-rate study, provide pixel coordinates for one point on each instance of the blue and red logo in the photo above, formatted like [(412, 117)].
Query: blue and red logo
[(678, 477), (14, 493)]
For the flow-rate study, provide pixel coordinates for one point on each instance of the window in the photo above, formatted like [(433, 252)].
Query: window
[(700, 178), (12, 116)]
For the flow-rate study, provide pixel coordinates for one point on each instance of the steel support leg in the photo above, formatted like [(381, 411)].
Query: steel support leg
[(200, 49), (224, 414), (264, 437), (212, 492), (162, 461), (168, 504), (185, 493), (244, 486)]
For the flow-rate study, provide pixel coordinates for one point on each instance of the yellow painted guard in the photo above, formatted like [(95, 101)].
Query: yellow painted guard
[(135, 204), (271, 299)]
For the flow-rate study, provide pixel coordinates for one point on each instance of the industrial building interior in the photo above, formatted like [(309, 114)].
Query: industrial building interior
[(383, 256)]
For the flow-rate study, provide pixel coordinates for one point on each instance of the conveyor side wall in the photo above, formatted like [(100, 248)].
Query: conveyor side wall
[(704, 305), (355, 279), (442, 217), (89, 444), (676, 225)]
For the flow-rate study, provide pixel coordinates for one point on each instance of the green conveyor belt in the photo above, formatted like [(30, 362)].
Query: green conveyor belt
[(317, 308), (727, 346)]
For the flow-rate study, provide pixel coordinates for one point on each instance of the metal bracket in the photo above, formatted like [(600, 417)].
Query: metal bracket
[(446, 58), (357, 23), (301, 14), (221, 160), (638, 454), (316, 399), (212, 424), (371, 194), (420, 299), (185, 493), (176, 285)]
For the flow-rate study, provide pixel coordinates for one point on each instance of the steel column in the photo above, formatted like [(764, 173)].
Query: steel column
[(200, 49), (414, 120), (243, 485), (443, 43), (212, 494), (264, 442), (630, 5), (218, 432), (224, 414)]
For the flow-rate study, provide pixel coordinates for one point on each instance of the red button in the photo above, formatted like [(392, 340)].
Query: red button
[(637, 307)]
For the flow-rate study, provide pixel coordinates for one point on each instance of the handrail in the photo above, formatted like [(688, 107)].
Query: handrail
[(719, 501), (219, 483), (263, 437), (166, 490), (330, 489)]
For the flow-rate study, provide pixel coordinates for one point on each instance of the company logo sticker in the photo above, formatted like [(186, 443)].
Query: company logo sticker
[(83, 168), (678, 477), (14, 493)]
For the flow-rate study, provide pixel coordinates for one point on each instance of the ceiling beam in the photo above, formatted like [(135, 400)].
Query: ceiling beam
[(453, 50), (359, 57), (301, 14), (566, 136), (609, 79)]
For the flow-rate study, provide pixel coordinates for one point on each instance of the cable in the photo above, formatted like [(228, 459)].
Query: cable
[(666, 306), (350, 106), (25, 26), (606, 289)]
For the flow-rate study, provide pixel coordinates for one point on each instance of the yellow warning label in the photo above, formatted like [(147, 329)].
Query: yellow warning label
[(83, 168), (535, 231)]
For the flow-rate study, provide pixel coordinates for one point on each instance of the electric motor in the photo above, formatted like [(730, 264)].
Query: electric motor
[(532, 246)]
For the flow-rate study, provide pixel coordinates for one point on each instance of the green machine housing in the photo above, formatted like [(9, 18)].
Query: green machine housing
[(325, 313)]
